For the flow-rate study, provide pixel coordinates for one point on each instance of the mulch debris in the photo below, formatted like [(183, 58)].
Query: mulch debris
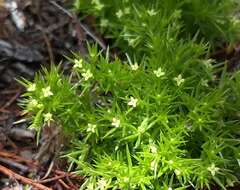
[(33, 33)]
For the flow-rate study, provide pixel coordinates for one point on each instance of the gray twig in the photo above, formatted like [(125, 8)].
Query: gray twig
[(84, 27)]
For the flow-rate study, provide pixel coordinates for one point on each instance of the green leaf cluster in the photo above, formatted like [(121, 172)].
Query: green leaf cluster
[(162, 117), (130, 23)]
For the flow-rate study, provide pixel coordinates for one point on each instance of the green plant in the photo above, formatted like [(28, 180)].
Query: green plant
[(166, 117), (130, 23)]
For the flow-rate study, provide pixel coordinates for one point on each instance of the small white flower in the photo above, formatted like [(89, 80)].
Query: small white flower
[(92, 54), (126, 10), (141, 129), (151, 140), (87, 75), (90, 186), (134, 67), (47, 92), (104, 22), (159, 72), (204, 82), (132, 41), (170, 188), (200, 120), (133, 186), (235, 21), (119, 13), (102, 183), (170, 162), (40, 106), (179, 80), (153, 165), (177, 14), (151, 12), (213, 169), (153, 149), (91, 128), (188, 126), (133, 102), (116, 148), (98, 4), (126, 179), (78, 63), (115, 122), (208, 63), (47, 118), (33, 103), (31, 87), (177, 172)]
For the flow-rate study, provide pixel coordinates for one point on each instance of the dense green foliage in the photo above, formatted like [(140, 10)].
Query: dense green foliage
[(133, 24), (165, 117)]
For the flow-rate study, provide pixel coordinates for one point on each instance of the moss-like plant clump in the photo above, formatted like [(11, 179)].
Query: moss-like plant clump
[(166, 116)]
